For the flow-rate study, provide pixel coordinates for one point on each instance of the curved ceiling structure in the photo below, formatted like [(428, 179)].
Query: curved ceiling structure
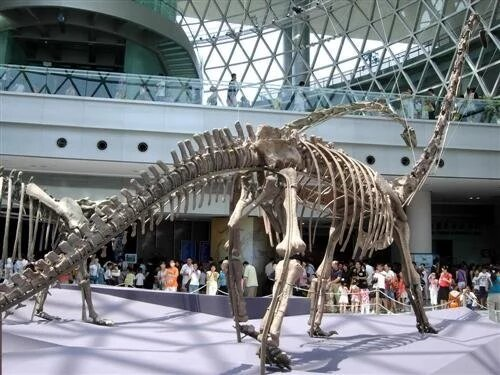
[(105, 24)]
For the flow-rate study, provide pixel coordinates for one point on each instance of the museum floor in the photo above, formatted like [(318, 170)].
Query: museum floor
[(153, 339)]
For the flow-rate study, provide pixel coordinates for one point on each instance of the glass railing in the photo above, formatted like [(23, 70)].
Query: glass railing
[(70, 82), (165, 8)]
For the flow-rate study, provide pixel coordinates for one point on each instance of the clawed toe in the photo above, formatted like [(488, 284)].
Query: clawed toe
[(318, 332), (276, 357)]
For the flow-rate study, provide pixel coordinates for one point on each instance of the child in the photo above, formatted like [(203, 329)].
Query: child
[(139, 279), (344, 298), (469, 299), (365, 301), (433, 289), (355, 297)]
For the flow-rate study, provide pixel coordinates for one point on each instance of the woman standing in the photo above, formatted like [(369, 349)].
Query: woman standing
[(433, 289), (223, 277), (445, 280), (212, 279), (171, 275)]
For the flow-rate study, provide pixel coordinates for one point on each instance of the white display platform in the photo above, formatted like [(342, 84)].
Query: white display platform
[(152, 339)]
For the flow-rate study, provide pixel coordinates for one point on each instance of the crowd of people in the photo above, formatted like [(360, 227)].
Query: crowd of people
[(191, 276), (356, 287)]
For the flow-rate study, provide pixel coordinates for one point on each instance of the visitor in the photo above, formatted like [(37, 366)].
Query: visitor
[(94, 270), (310, 270), (108, 279), (408, 104), (484, 284), (115, 275), (139, 279), (212, 280), (129, 278), (232, 91), (299, 99), (469, 299), (186, 270), (379, 283), (431, 105), (461, 277), (475, 282), (161, 90), (494, 296), (171, 275), (433, 289), (361, 279), (391, 285), (212, 99), (160, 276), (203, 278), (222, 280), (244, 103), (369, 273), (445, 280), (301, 283), (344, 297), (401, 293), (355, 296), (194, 279), (336, 280), (250, 282)]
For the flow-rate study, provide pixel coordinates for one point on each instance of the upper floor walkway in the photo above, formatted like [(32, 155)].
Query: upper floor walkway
[(161, 89)]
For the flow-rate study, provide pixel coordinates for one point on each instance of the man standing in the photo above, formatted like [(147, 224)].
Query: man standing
[(335, 285), (93, 271), (250, 282), (186, 270), (232, 91)]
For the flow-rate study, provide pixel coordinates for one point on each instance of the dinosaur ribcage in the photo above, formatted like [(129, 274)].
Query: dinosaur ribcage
[(336, 187)]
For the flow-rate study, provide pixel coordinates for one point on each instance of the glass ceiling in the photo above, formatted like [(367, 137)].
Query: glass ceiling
[(374, 46)]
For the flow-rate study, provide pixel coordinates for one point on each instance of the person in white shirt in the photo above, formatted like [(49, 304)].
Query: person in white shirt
[(250, 282), (379, 282), (194, 279), (484, 281), (369, 274), (139, 279), (186, 270)]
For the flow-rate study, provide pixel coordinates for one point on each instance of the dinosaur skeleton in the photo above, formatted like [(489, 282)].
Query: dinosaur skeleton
[(282, 172)]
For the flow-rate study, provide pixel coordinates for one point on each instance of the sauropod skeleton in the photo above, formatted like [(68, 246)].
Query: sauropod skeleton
[(276, 169)]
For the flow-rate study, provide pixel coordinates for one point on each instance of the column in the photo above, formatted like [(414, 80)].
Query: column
[(420, 220), (296, 46)]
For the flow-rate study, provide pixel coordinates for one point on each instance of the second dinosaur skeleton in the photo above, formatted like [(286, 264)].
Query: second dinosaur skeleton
[(279, 170)]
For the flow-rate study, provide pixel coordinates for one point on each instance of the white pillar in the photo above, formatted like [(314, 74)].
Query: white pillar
[(420, 220)]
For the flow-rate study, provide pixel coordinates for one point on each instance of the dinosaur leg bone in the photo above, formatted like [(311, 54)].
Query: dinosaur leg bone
[(292, 274), (411, 277), (292, 241), (87, 298), (319, 286)]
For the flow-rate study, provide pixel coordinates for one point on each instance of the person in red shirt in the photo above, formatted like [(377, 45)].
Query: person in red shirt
[(445, 280)]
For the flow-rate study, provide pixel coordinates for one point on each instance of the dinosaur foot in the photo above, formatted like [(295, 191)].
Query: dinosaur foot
[(249, 330), (318, 332), (426, 328), (45, 316), (102, 322), (276, 357)]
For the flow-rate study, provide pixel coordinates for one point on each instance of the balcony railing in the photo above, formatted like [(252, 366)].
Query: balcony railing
[(120, 86)]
